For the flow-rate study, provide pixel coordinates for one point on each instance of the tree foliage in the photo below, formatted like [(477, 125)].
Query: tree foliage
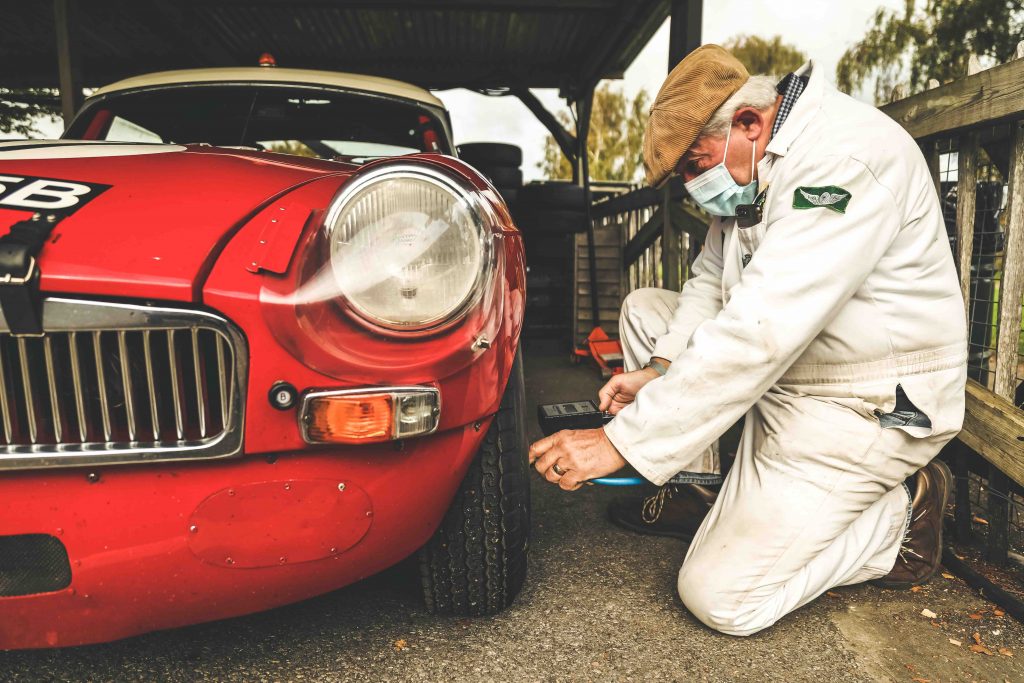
[(934, 40), (765, 55), (21, 110), (615, 142)]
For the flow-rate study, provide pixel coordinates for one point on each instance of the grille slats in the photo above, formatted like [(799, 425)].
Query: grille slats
[(145, 389)]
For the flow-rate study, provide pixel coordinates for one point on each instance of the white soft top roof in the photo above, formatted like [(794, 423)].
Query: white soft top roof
[(265, 74)]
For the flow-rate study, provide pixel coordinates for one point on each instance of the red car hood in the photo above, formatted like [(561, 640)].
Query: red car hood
[(159, 226)]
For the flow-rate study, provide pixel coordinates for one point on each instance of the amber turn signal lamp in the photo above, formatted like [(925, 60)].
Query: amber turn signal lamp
[(369, 415)]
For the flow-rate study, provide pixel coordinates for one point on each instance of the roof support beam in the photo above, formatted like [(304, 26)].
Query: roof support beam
[(684, 29), (566, 141), (68, 72)]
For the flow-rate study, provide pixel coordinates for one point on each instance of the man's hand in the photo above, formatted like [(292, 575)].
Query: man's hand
[(570, 457), (621, 390)]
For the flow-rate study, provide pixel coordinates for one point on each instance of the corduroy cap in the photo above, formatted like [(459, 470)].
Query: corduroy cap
[(699, 85)]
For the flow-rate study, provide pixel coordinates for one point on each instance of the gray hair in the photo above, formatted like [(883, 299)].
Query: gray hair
[(758, 92)]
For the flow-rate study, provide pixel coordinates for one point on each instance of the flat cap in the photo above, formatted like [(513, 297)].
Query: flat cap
[(694, 89)]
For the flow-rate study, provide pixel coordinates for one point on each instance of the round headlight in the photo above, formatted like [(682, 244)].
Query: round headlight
[(409, 249)]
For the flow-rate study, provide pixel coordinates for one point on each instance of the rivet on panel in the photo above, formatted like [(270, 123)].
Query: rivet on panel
[(92, 477), (193, 529), (282, 560), (228, 560), (341, 486), (287, 487)]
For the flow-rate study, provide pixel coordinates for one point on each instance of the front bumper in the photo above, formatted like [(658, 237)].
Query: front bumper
[(167, 545)]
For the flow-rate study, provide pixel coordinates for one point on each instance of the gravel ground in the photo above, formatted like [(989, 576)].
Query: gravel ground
[(599, 605)]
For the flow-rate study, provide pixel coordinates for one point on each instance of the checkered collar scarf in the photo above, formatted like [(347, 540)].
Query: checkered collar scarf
[(790, 87)]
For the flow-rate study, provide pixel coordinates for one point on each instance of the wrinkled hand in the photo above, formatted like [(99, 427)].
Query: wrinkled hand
[(580, 454), (621, 390)]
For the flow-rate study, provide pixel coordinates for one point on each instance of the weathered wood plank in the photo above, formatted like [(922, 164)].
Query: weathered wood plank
[(994, 428), (966, 197), (1012, 286), (983, 98)]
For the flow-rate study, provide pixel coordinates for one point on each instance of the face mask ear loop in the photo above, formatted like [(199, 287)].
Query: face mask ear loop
[(725, 154), (753, 163)]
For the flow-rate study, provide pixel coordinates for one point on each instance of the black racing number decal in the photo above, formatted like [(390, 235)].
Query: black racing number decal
[(29, 193)]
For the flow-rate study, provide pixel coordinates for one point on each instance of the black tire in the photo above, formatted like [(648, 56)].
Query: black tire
[(509, 194), (475, 564), (552, 195), (502, 176), (549, 222), (491, 154)]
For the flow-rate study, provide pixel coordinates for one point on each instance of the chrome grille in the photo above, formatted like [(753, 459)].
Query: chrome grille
[(115, 383)]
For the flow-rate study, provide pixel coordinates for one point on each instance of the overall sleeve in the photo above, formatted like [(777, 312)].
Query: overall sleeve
[(809, 263), (700, 298)]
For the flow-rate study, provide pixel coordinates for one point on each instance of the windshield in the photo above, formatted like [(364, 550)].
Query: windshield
[(306, 122)]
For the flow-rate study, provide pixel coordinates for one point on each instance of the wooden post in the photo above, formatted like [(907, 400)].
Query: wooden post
[(684, 29), (933, 155), (670, 245), (967, 180), (1012, 285), (68, 72)]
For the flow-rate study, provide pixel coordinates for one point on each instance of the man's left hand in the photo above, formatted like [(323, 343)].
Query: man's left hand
[(570, 457)]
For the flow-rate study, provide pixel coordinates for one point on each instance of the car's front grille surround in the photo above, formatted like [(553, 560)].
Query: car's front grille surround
[(116, 383)]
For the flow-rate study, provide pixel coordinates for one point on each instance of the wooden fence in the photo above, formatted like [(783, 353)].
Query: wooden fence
[(975, 127)]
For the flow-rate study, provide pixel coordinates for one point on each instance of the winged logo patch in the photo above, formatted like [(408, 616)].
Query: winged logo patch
[(829, 197)]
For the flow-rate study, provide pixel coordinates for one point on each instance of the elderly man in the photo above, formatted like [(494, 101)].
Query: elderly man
[(825, 307)]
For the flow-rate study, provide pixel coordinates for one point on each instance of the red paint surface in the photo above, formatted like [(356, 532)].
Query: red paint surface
[(127, 536), (270, 523)]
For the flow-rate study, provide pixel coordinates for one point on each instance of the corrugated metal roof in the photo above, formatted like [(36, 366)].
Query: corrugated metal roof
[(450, 43)]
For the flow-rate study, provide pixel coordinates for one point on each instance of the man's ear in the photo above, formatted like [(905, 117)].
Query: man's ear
[(750, 121)]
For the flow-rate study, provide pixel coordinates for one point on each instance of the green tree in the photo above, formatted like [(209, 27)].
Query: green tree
[(765, 55), (615, 142), (21, 110), (930, 39)]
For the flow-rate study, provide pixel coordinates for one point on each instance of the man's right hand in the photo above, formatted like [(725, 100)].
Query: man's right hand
[(621, 390)]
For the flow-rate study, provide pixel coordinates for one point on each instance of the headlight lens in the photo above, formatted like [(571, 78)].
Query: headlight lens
[(409, 249)]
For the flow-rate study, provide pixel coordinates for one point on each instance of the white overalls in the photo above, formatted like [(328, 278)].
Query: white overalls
[(806, 323)]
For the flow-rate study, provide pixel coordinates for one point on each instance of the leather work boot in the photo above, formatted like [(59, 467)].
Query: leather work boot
[(675, 510), (921, 550)]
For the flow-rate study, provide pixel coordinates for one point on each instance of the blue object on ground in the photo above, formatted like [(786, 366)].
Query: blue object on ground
[(619, 481)]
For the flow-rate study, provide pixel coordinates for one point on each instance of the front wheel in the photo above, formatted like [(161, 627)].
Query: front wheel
[(475, 563)]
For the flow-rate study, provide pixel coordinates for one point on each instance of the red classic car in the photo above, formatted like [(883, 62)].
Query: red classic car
[(263, 345)]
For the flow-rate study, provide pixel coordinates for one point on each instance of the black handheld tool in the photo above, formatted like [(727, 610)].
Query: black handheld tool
[(554, 417)]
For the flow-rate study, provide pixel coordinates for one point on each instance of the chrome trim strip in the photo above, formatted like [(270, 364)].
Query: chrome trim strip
[(96, 317), (76, 379), (101, 380), (51, 380), (198, 378), (26, 390), (172, 356), (154, 413), (4, 405), (126, 383)]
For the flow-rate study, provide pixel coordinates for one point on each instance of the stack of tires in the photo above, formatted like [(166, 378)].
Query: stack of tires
[(500, 163), (549, 214)]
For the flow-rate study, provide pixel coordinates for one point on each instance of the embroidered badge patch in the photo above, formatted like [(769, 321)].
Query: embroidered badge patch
[(830, 197)]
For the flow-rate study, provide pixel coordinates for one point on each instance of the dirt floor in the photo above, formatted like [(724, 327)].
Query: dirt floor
[(599, 605)]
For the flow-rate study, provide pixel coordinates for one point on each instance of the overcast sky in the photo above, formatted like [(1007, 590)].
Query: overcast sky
[(822, 30)]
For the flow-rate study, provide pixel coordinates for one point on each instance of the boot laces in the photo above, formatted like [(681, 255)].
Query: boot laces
[(653, 505), (905, 548)]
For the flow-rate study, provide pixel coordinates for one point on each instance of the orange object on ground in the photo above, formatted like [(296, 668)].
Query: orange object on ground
[(605, 351)]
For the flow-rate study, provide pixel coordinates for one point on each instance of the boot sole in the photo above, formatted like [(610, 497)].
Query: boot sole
[(648, 530), (947, 480)]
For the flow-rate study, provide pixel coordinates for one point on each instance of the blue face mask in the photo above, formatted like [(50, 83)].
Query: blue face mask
[(715, 190)]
